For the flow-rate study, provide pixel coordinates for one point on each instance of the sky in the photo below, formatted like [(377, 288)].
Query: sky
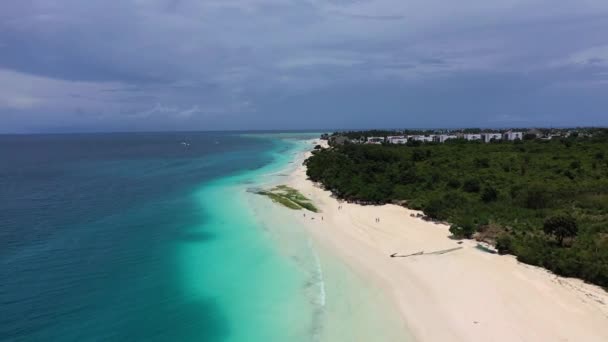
[(149, 65)]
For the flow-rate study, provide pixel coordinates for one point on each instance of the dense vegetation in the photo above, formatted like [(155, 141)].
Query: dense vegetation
[(544, 201)]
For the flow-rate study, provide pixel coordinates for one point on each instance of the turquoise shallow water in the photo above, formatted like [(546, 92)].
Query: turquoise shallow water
[(137, 237), (261, 289)]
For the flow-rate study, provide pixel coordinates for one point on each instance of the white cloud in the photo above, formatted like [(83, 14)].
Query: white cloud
[(594, 56), (25, 92)]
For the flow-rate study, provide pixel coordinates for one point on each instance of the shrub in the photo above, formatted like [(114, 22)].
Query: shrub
[(436, 209), (419, 155), (489, 194), (561, 226), (453, 183), (471, 185), (504, 244), (464, 231), (536, 197), (482, 163)]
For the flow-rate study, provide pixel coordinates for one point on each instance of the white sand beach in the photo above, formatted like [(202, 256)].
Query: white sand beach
[(462, 295)]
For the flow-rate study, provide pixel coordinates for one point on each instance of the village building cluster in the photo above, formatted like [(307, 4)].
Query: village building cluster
[(441, 138)]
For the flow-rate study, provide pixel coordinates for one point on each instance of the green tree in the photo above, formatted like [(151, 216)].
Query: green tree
[(471, 185), (575, 164), (435, 209), (453, 183), (419, 155), (561, 226), (536, 196), (489, 194), (504, 244), (462, 231), (481, 162)]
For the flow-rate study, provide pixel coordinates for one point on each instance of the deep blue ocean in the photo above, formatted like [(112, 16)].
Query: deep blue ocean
[(138, 237)]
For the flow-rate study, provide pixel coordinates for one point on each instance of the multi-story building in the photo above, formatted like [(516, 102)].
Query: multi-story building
[(396, 139), (510, 135), (444, 137), (487, 137), (424, 138), (472, 137), (375, 140)]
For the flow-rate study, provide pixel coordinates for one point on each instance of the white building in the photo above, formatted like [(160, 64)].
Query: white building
[(444, 137), (472, 137), (487, 137), (375, 140), (510, 135), (424, 138), (397, 139)]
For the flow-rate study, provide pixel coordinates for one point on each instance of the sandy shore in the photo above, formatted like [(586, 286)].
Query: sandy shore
[(463, 295)]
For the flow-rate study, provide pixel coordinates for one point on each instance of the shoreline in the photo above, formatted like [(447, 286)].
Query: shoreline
[(462, 295), (346, 306)]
